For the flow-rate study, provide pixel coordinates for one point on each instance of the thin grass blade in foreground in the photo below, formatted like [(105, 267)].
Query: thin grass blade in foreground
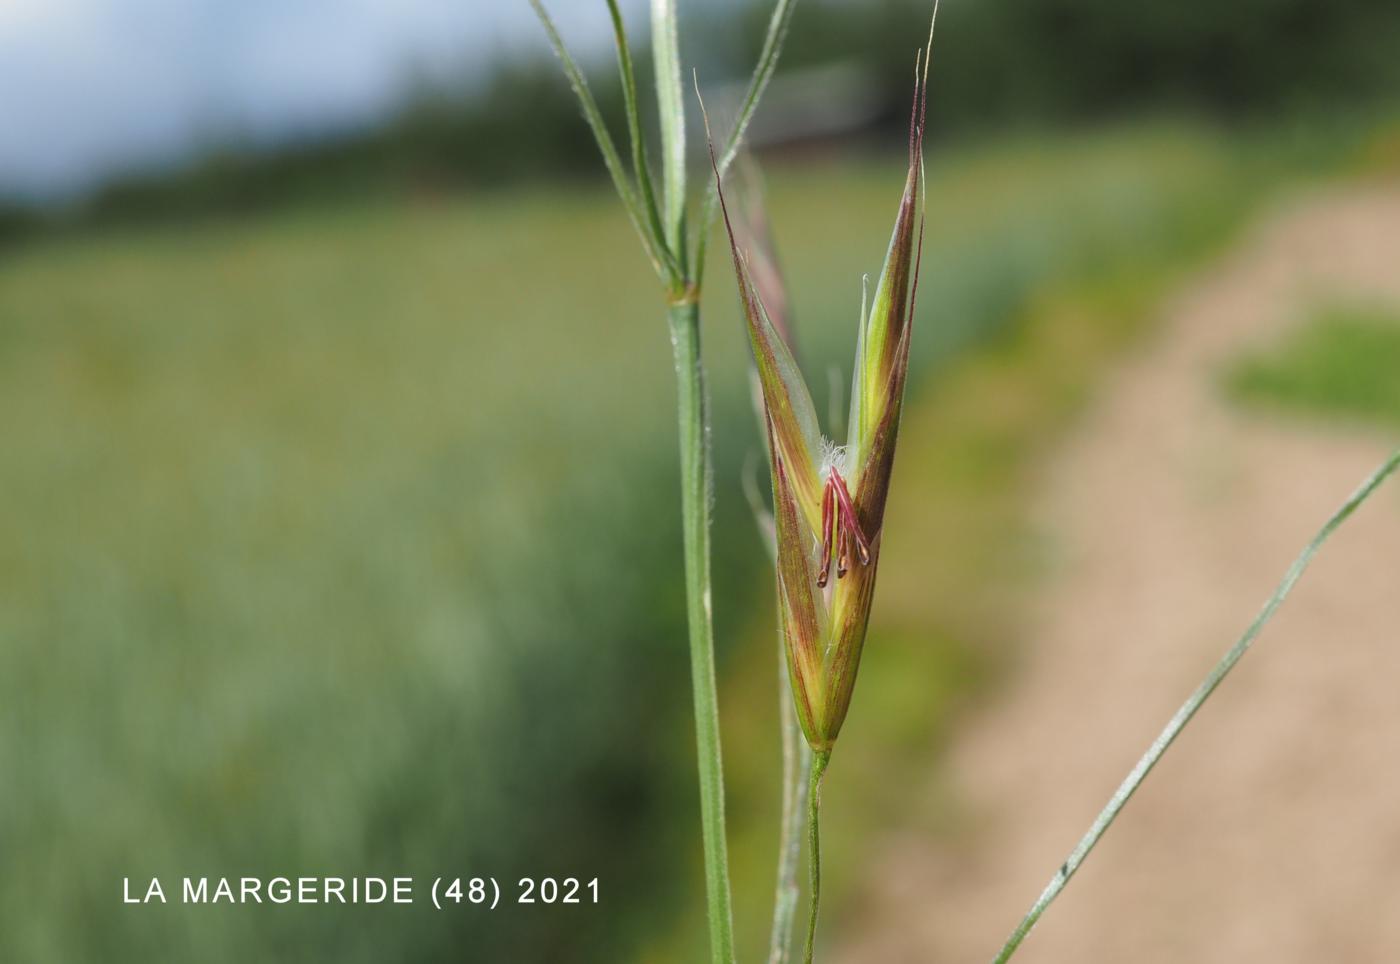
[(1188, 709)]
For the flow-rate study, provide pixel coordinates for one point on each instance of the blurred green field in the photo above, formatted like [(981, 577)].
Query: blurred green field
[(1342, 361), (343, 541)]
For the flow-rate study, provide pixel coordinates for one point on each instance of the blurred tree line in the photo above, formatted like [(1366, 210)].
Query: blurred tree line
[(1002, 62), (998, 62)]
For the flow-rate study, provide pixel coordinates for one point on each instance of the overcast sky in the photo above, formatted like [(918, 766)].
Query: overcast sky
[(92, 86)]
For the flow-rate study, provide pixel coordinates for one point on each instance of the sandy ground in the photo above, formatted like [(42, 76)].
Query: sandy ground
[(1271, 831)]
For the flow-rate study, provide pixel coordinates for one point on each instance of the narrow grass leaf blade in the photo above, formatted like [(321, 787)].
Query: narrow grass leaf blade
[(1188, 710), (640, 169), (606, 147), (671, 104), (762, 73)]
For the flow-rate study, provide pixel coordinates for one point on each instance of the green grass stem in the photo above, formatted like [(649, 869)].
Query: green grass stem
[(814, 849), (696, 483)]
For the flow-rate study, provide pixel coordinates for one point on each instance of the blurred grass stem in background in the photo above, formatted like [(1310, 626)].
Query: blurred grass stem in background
[(797, 757), (1188, 709)]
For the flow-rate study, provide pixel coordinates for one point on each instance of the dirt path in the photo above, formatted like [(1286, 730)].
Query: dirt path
[(1271, 832)]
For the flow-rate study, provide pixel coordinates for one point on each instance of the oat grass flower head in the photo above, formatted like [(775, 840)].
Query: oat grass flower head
[(828, 497)]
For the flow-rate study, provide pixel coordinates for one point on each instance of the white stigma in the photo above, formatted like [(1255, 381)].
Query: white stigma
[(833, 456)]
